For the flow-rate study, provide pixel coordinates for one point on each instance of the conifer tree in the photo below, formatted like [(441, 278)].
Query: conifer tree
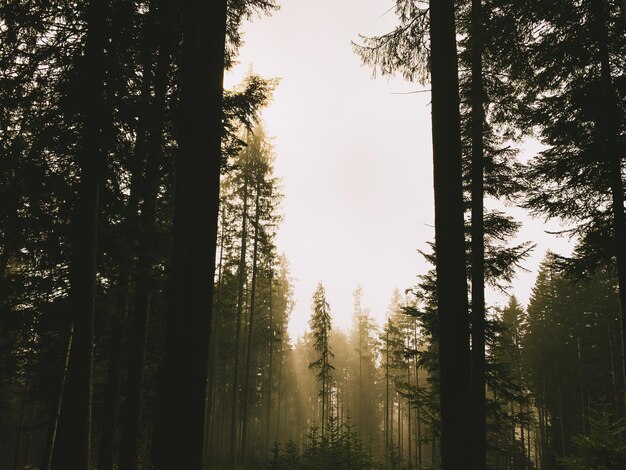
[(320, 324)]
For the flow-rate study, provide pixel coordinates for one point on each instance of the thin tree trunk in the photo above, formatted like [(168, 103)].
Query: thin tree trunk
[(212, 382), (280, 383), (247, 369), (179, 430), (109, 415), (617, 352), (20, 427), (387, 394), (522, 439), (271, 377), (454, 354), (479, 429), (234, 424), (73, 447), (410, 443), (418, 417), (323, 420), (46, 460)]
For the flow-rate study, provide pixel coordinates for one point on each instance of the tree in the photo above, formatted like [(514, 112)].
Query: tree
[(73, 446), (179, 432), (363, 374), (449, 238), (569, 355), (479, 432), (578, 111), (320, 325)]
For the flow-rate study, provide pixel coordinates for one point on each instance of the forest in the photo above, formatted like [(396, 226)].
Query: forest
[(145, 298)]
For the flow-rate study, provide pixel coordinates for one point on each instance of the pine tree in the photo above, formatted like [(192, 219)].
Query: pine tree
[(320, 324)]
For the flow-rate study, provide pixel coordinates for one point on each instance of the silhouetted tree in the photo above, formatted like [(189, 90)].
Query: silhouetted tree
[(72, 447)]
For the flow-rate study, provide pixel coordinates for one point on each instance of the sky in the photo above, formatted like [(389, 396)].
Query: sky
[(355, 159)]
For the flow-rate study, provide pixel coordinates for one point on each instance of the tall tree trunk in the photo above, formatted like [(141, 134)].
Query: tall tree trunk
[(417, 409), (179, 430), (234, 423), (408, 410), (213, 354), (454, 356), (270, 379), (280, 383), (387, 394), (479, 429), (610, 116), (73, 445), (323, 418), (615, 343), (247, 368)]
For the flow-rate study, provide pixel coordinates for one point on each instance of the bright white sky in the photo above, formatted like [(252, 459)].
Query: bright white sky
[(354, 157)]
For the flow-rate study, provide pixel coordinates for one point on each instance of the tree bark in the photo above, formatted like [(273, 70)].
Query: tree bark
[(479, 430), (454, 356), (73, 445), (179, 431)]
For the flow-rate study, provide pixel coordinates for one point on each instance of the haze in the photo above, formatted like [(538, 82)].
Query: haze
[(354, 154)]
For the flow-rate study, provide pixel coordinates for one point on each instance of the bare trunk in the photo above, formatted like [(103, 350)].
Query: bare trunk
[(247, 369), (213, 354), (454, 354), (234, 423), (179, 430), (610, 117), (479, 429), (270, 379)]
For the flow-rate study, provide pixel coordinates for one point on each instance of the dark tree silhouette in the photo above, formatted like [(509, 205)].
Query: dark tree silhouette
[(454, 355), (479, 431), (72, 446), (179, 432)]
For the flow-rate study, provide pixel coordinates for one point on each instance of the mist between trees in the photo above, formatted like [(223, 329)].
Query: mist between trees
[(144, 303)]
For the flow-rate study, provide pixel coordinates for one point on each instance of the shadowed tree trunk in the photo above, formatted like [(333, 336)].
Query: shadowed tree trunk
[(234, 425), (610, 116), (211, 416), (247, 378), (479, 430), (72, 447), (179, 429), (155, 117), (270, 379), (449, 239), (106, 447), (46, 459)]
